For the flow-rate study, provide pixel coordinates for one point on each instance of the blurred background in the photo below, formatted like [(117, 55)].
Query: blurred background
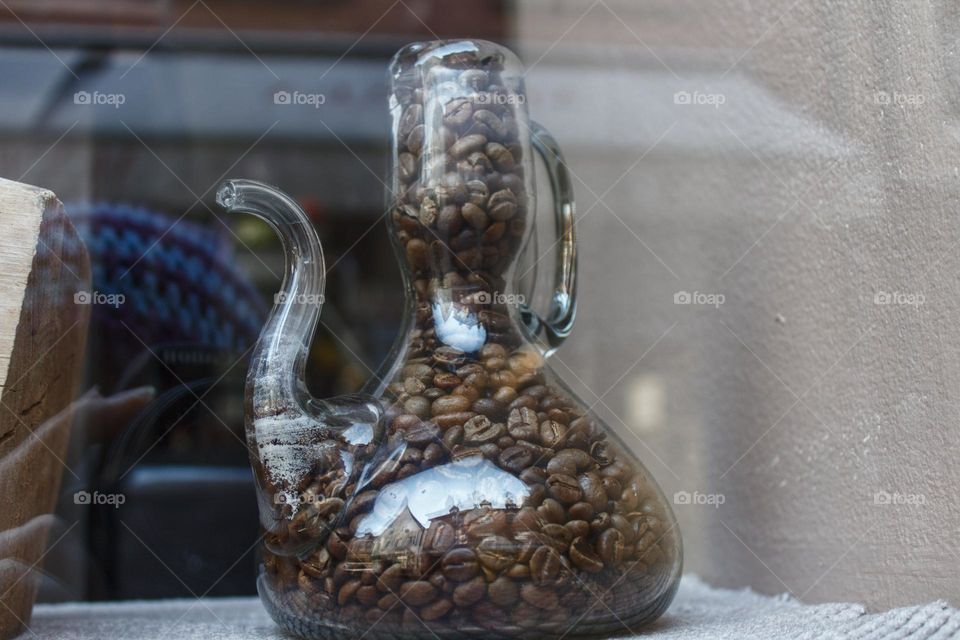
[(767, 202)]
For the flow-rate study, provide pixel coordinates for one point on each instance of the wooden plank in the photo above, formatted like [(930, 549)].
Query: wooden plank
[(43, 265)]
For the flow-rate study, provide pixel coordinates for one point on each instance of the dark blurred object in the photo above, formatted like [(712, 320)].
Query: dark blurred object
[(194, 550), (185, 317)]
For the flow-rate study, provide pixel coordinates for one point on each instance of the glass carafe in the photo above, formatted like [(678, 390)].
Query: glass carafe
[(465, 489)]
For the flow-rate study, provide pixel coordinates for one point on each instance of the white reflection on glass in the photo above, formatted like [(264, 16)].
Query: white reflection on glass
[(462, 485), (458, 328)]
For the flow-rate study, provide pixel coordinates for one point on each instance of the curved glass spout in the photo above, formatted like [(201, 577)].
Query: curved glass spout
[(275, 381), (290, 434)]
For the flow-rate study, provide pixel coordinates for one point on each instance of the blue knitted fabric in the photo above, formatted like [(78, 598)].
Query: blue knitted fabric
[(178, 280)]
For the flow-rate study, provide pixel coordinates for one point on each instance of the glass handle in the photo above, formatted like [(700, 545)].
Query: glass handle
[(555, 328)]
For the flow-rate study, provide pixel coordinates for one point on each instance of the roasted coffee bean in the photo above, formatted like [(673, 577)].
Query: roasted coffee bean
[(456, 113), (610, 547), (421, 434), (467, 145), (417, 406), (448, 356), (439, 538), (544, 565), (477, 193), (504, 395), (420, 371), (450, 404), (501, 157), (411, 455), (347, 591), (368, 595), (414, 141), (556, 536), (475, 216), (493, 124), (453, 436), (583, 556), (487, 407), (446, 380), (481, 523), (447, 420), (591, 485), (475, 79), (515, 458), (569, 462), (600, 523), (502, 205), (417, 593), (490, 450), (578, 528), (551, 511), (503, 591), (552, 433), (412, 116), (460, 564), (581, 511), (613, 488), (336, 546), (470, 592), (407, 167), (493, 350), (390, 579), (523, 424), (361, 504), (533, 475), (496, 553), (565, 489), (540, 597), (406, 471), (526, 520), (433, 454), (436, 610), (479, 430)]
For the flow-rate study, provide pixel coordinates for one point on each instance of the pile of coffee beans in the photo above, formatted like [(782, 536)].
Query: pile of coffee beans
[(588, 542)]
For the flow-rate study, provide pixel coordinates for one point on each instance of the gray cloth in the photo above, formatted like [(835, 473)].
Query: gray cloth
[(698, 612)]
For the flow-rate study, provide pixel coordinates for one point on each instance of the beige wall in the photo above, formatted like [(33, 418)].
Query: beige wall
[(799, 198)]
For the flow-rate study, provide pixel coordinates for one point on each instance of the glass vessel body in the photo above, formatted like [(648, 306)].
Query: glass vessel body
[(465, 489)]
